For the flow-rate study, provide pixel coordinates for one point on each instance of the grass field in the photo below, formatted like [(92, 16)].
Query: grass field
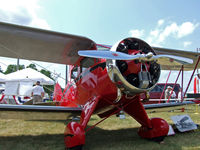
[(112, 134)]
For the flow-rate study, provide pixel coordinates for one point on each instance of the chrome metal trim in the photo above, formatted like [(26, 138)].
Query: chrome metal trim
[(116, 76), (119, 96)]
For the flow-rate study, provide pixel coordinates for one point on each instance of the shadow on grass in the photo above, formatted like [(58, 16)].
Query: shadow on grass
[(128, 139), (31, 142), (98, 139)]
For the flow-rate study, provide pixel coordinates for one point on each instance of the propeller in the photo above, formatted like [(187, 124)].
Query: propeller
[(109, 55), (161, 59)]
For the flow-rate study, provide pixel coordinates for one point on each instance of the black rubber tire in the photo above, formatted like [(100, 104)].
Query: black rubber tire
[(79, 147)]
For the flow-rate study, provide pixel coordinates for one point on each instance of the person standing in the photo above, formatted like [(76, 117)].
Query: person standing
[(169, 92), (180, 95), (37, 93)]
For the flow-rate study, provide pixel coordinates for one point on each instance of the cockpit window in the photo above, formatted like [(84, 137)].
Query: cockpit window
[(74, 73), (87, 62)]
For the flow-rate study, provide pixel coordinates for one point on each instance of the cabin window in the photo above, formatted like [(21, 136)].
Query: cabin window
[(87, 62), (74, 73)]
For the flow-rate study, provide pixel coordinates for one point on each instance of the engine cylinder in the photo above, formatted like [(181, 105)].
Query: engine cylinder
[(133, 76)]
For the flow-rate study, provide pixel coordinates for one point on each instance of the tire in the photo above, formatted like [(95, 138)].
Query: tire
[(79, 147)]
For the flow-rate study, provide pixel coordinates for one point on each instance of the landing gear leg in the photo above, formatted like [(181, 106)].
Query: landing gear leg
[(74, 136), (158, 131), (75, 132), (154, 128)]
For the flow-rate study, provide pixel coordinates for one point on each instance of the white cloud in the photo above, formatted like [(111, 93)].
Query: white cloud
[(177, 31), (137, 33), (187, 43), (22, 12), (169, 30), (154, 33), (161, 22), (159, 35), (186, 28)]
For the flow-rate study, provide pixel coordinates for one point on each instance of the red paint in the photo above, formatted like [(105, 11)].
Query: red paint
[(171, 60), (114, 54), (159, 128), (2, 97), (93, 90), (57, 94), (88, 110), (74, 135), (137, 111), (195, 85)]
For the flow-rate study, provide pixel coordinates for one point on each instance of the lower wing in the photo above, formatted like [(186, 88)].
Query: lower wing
[(33, 112), (162, 105)]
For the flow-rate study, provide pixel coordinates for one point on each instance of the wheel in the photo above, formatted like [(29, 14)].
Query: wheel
[(159, 139), (79, 147)]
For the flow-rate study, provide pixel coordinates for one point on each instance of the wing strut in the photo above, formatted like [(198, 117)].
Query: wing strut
[(165, 86), (192, 75), (174, 85)]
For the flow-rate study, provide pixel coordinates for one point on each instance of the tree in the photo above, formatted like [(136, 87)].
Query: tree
[(32, 66), (48, 88), (13, 68)]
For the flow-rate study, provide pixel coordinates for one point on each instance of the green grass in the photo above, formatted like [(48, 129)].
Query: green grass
[(112, 134)]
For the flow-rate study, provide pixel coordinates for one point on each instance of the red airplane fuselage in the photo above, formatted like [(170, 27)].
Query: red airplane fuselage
[(105, 87)]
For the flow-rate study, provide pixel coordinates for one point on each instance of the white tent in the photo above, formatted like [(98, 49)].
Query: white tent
[(21, 82), (2, 77), (29, 74)]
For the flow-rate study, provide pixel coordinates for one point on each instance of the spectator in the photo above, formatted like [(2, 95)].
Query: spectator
[(37, 93), (168, 92)]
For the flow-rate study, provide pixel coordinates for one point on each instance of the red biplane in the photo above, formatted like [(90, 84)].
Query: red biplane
[(102, 79)]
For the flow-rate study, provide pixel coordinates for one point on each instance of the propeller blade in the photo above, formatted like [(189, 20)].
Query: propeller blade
[(161, 59), (109, 55), (172, 60)]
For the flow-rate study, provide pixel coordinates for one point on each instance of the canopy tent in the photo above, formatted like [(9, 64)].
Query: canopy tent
[(21, 82), (2, 77), (29, 74)]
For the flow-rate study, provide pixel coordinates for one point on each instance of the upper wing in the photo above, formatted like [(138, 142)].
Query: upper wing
[(187, 54), (42, 45)]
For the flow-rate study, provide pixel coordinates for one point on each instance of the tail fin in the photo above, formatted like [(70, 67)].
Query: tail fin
[(57, 94)]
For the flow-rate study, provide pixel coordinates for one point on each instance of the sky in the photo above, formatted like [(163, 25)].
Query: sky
[(164, 23)]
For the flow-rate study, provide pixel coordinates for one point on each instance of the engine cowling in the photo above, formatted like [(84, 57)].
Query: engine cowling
[(133, 76)]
